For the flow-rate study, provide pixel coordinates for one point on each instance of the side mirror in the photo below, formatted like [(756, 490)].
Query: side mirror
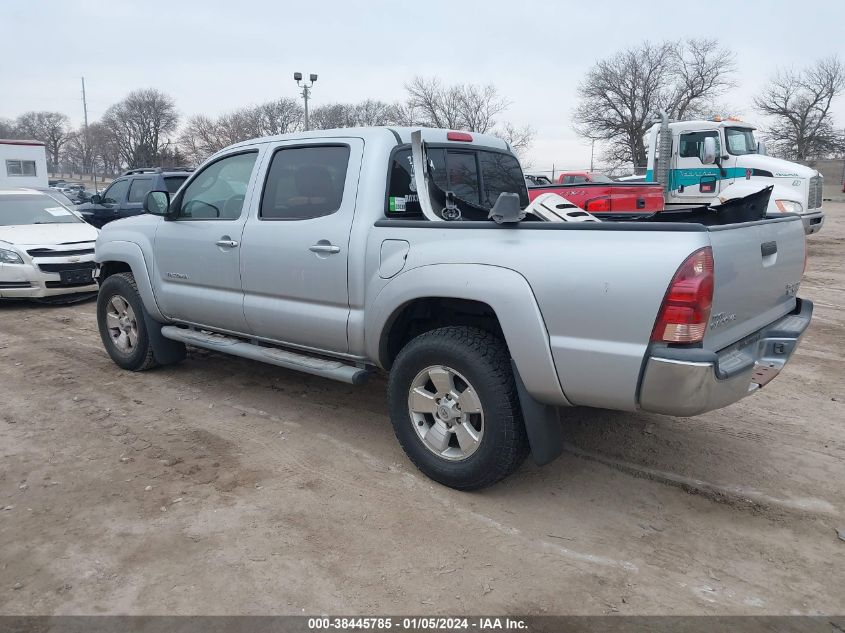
[(709, 151), (761, 148), (97, 199), (157, 202)]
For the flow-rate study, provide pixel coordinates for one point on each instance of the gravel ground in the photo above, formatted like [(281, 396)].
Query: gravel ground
[(223, 486)]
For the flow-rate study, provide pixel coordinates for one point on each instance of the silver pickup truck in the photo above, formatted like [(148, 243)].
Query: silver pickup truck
[(317, 252)]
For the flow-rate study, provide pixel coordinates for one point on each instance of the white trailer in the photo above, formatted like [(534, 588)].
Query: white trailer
[(23, 164)]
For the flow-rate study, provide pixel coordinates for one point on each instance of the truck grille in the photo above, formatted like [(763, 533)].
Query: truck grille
[(50, 252), (57, 268), (814, 197)]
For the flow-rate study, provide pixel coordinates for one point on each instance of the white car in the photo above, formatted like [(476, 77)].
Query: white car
[(46, 249)]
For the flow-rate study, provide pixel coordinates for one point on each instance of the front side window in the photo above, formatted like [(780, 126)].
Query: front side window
[(219, 190), (692, 144), (20, 168), (19, 209), (139, 188), (740, 141), (116, 192), (305, 182)]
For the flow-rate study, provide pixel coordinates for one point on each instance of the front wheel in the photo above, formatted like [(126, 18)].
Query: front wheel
[(454, 407), (120, 318)]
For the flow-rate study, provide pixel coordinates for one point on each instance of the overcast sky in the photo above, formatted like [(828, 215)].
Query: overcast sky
[(214, 56)]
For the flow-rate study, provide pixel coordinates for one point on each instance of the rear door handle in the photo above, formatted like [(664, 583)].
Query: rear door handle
[(227, 243), (324, 248)]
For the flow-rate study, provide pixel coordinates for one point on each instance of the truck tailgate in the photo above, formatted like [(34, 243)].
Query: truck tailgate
[(757, 268)]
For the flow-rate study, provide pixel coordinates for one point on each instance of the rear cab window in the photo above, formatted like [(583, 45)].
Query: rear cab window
[(477, 176)]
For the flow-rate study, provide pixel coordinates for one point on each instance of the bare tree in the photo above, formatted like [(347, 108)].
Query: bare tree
[(369, 112), (332, 115), (459, 107), (202, 135), (519, 138), (8, 129), (282, 116), (621, 95), (799, 104), (51, 128), (105, 150), (141, 124)]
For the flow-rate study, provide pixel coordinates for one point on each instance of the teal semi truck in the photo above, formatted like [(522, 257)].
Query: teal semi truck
[(716, 160)]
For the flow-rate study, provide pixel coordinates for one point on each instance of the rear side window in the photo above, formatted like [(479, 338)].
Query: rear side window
[(477, 176), (139, 188), (172, 183), (305, 182)]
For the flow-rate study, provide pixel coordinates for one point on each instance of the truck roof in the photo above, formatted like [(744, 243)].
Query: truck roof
[(399, 136), (18, 141), (709, 123)]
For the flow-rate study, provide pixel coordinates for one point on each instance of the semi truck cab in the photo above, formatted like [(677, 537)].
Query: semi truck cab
[(739, 167)]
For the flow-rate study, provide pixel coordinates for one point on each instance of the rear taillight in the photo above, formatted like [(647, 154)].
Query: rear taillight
[(597, 205), (686, 308)]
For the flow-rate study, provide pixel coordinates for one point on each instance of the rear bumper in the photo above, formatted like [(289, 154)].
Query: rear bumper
[(813, 222), (686, 382)]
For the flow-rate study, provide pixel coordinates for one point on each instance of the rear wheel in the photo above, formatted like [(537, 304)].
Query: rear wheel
[(120, 317), (454, 407)]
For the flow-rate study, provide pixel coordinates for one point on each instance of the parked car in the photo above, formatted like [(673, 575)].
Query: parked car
[(45, 248), (330, 252), (578, 177), (532, 180), (125, 196), (605, 195)]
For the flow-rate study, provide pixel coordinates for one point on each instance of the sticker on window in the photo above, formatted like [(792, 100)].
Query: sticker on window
[(57, 211), (397, 204)]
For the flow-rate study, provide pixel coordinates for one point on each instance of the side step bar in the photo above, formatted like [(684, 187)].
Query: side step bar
[(327, 368)]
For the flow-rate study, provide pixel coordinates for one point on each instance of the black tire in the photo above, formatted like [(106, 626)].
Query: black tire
[(141, 356), (484, 360)]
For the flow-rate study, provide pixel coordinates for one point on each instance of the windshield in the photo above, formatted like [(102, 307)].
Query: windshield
[(19, 209), (740, 141), (61, 198)]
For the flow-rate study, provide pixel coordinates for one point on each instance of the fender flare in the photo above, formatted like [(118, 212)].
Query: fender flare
[(131, 254), (511, 298), (504, 290)]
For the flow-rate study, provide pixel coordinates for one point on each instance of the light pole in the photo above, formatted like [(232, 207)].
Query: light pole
[(306, 92)]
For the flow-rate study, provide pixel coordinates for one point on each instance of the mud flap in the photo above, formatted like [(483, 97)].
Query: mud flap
[(166, 352), (542, 424)]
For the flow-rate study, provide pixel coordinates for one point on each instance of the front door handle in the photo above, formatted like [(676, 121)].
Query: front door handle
[(324, 247), (227, 243)]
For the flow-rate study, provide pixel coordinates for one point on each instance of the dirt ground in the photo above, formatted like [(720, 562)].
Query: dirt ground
[(224, 486)]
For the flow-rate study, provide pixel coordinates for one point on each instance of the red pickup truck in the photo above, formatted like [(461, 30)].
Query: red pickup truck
[(599, 194)]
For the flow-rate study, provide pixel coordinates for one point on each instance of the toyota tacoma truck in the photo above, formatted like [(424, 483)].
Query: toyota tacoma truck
[(415, 252)]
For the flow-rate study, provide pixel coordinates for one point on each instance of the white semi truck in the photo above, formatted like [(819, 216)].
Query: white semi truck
[(23, 164), (720, 159)]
